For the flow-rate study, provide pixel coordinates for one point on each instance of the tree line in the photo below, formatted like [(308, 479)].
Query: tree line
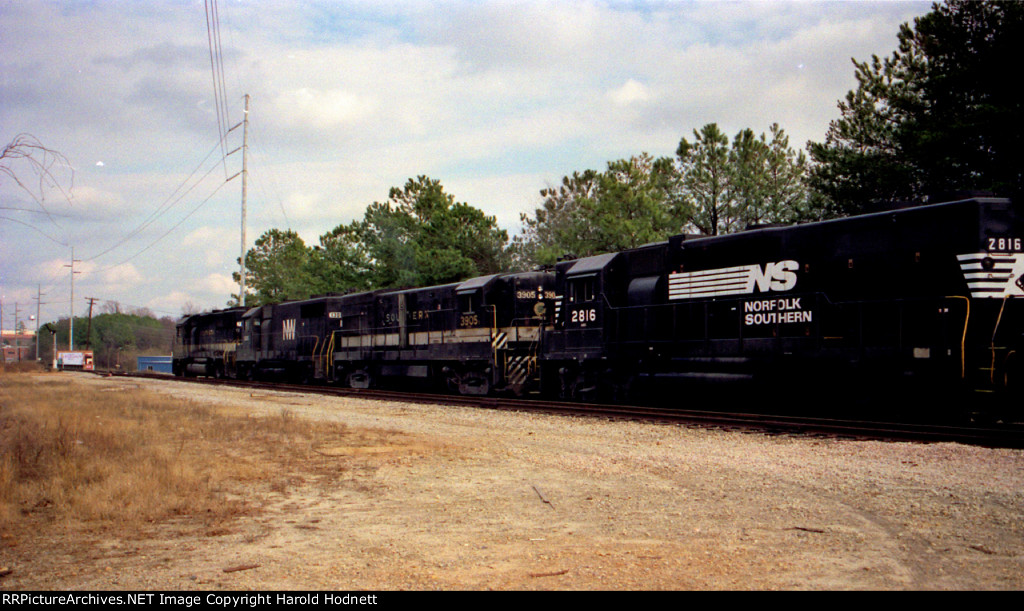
[(938, 119), (116, 336)]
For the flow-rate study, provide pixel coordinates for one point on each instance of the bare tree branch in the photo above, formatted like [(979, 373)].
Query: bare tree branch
[(45, 165)]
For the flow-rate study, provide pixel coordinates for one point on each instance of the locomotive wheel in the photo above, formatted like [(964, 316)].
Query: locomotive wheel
[(579, 385), (474, 383), (360, 378)]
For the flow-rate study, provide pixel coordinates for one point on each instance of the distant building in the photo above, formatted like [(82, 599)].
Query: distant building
[(158, 364), (18, 346)]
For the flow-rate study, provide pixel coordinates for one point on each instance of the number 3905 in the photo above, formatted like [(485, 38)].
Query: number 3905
[(584, 315)]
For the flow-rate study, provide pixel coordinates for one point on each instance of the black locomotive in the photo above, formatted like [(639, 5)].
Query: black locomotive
[(205, 344), (472, 337), (925, 299), (922, 299)]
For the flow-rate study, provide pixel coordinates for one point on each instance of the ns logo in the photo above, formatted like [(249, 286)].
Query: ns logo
[(777, 276)]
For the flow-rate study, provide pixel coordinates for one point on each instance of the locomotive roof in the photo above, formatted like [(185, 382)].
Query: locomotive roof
[(858, 219), (475, 283), (590, 265), (238, 310), (419, 289)]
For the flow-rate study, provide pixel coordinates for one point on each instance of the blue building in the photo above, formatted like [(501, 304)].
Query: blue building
[(157, 364)]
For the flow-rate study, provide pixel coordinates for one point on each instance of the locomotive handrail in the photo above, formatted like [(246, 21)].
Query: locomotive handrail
[(993, 347), (963, 339), (326, 356), (494, 319), (516, 323), (1006, 368)]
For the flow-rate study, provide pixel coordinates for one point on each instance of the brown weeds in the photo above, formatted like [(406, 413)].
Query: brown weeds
[(75, 455)]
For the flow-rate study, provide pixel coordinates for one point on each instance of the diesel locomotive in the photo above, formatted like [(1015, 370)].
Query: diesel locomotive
[(471, 337), (924, 299), (205, 344)]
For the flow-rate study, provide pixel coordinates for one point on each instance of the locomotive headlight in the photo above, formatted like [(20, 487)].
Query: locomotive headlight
[(988, 263)]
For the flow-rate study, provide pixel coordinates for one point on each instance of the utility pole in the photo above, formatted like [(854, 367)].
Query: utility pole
[(71, 321), (17, 344), (88, 332), (39, 302), (245, 178)]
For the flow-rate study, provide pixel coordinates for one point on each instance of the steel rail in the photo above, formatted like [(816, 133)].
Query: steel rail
[(988, 436)]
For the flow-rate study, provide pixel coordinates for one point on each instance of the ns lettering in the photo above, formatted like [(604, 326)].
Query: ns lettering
[(777, 276)]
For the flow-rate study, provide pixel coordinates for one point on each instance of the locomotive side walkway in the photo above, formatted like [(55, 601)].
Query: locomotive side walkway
[(478, 499)]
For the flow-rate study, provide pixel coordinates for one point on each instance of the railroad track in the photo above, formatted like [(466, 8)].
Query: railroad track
[(1009, 436)]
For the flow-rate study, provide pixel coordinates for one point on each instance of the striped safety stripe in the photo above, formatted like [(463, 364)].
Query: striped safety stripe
[(993, 275)]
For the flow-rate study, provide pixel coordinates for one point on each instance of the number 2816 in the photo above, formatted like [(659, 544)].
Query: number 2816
[(1004, 244), (584, 315)]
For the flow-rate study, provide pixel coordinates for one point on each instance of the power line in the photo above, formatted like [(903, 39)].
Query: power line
[(173, 227), (41, 160), (167, 204), (254, 147), (31, 226), (217, 72)]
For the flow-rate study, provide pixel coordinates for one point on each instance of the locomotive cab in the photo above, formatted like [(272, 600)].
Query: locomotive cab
[(574, 352)]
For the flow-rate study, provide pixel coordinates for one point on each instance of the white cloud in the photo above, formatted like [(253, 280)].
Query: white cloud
[(311, 108), (213, 245), (217, 284), (630, 93), (172, 303)]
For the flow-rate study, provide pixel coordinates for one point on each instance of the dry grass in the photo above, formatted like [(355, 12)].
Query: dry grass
[(21, 367), (75, 456)]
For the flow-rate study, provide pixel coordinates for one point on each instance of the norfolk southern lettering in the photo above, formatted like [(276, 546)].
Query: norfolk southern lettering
[(775, 311)]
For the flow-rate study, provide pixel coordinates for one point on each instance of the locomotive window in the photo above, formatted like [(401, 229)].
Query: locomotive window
[(466, 303), (582, 289)]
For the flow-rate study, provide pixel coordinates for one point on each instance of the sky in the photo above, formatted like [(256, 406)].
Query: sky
[(496, 99)]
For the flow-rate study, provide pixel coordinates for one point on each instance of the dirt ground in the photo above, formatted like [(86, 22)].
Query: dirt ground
[(467, 499)]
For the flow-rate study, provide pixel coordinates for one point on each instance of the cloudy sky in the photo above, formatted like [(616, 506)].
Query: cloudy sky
[(496, 99)]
